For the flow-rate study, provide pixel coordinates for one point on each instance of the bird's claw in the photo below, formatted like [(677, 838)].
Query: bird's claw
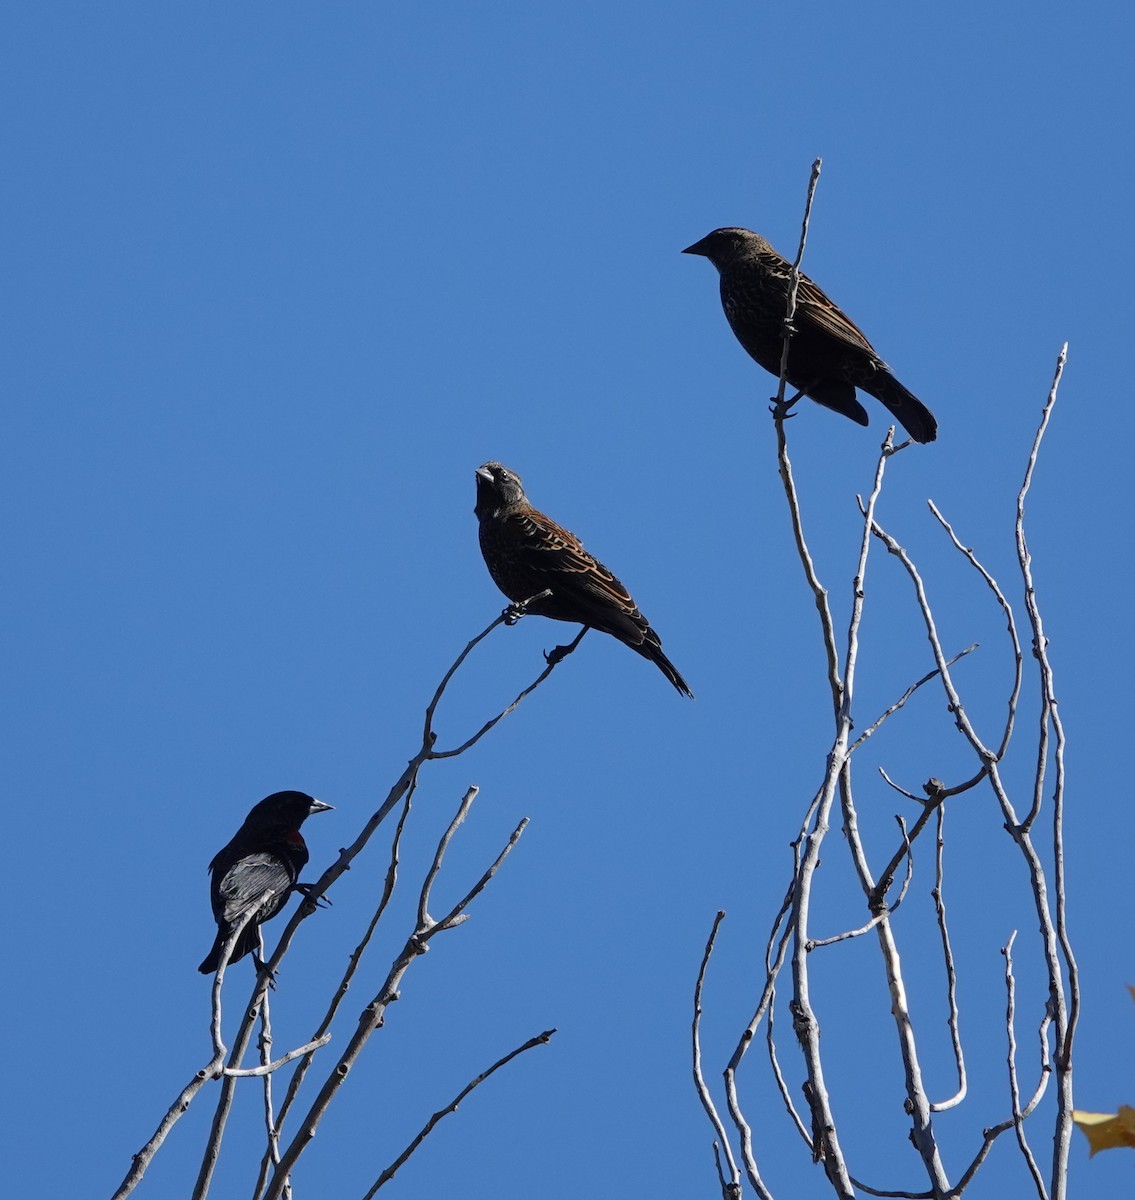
[(305, 889), (262, 968), (783, 408), (513, 613)]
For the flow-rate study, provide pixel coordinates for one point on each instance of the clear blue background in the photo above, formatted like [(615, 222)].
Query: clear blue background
[(277, 279)]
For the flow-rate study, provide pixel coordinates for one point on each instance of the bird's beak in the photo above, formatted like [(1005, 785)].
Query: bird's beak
[(318, 806), (697, 248), (484, 473)]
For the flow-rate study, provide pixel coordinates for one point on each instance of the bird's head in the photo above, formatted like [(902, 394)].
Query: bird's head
[(288, 810), (497, 488), (723, 247)]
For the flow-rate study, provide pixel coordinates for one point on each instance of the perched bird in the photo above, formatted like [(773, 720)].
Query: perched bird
[(828, 357), (527, 553), (267, 854)]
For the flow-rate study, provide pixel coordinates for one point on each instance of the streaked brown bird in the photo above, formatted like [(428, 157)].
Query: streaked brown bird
[(260, 865), (527, 553), (828, 356)]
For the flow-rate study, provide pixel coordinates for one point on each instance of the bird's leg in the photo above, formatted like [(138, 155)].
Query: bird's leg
[(783, 408), (519, 608), (559, 653), (262, 967), (305, 889)]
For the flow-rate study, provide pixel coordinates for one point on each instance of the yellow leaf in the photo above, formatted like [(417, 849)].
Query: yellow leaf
[(1106, 1131)]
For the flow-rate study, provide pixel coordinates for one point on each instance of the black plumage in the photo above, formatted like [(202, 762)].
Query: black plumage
[(266, 855), (828, 356), (527, 553)]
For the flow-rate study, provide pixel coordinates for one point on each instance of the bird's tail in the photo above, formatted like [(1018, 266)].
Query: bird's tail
[(212, 960), (651, 648), (245, 944), (906, 408)]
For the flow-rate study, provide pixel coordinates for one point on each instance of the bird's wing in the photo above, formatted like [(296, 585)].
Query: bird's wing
[(815, 307), (248, 879), (547, 549)]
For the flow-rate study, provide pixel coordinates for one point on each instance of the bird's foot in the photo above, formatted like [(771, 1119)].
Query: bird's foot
[(782, 409), (559, 653), (262, 968), (305, 889), (519, 608)]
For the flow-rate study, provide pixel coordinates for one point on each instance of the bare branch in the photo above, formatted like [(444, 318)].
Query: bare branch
[(894, 708), (780, 417), (1018, 658), (1014, 1092), (541, 1039), (509, 617), (425, 921), (344, 984), (374, 1015), (271, 1126), (268, 1068), (553, 661), (1065, 1011), (730, 1187), (939, 897), (211, 1070), (794, 279), (884, 909), (405, 782), (773, 964)]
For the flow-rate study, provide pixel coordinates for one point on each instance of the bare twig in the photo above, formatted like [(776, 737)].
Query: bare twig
[(1065, 1011), (780, 416), (508, 617), (794, 280), (267, 1068), (731, 1186), (271, 1128), (776, 950), (211, 1070), (991, 583), (553, 662), (407, 779), (1055, 942), (541, 1039), (939, 897), (344, 984), (374, 1015), (884, 909), (1011, 1057), (901, 701)]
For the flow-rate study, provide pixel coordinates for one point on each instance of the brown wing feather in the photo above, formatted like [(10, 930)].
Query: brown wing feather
[(549, 549), (583, 589), (815, 306)]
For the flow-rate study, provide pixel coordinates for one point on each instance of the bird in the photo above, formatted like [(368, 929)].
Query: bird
[(528, 553), (828, 355), (266, 855)]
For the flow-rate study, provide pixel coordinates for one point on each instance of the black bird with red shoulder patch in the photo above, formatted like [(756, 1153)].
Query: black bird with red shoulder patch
[(266, 855), (527, 553), (828, 355)]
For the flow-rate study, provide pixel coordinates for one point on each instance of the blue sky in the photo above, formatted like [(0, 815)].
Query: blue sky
[(278, 280)]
